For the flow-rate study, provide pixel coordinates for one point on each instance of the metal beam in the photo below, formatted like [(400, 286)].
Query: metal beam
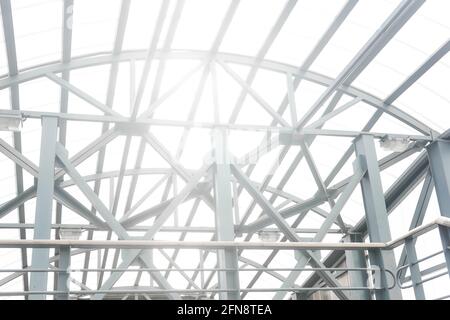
[(82, 62), (427, 65), (104, 212), (375, 212), (326, 225), (439, 155), (307, 256), (224, 216), (112, 81), (368, 52), (133, 254), (44, 204), (83, 95)]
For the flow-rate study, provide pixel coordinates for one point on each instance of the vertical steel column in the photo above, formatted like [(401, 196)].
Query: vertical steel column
[(63, 277), (356, 259), (416, 276), (439, 159), (376, 213), (44, 204), (227, 258)]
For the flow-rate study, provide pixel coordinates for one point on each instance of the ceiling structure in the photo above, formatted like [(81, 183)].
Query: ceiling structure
[(187, 149)]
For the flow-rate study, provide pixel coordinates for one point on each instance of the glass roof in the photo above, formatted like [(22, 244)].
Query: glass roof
[(258, 49)]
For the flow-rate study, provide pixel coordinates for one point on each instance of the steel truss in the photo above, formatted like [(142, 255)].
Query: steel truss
[(223, 179)]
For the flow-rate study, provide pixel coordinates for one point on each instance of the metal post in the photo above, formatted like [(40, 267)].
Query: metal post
[(357, 259), (63, 277), (44, 204), (416, 277), (376, 213), (227, 258), (439, 156)]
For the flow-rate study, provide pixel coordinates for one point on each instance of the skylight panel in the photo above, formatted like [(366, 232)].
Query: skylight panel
[(38, 39), (94, 26), (353, 34), (419, 38), (199, 24), (305, 25), (140, 24), (250, 26)]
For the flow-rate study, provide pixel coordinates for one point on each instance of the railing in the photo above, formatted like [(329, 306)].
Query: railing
[(69, 271), (402, 280), (373, 271)]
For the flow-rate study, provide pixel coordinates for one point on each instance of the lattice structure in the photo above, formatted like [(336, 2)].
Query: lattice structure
[(184, 173)]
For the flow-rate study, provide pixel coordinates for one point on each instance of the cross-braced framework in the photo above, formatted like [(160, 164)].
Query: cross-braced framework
[(168, 231)]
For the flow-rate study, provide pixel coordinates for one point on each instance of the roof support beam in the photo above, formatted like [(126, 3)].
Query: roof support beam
[(375, 44), (133, 254), (279, 23), (83, 95), (427, 65), (332, 29), (109, 218)]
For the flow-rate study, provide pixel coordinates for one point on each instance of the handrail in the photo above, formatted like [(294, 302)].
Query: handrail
[(148, 244)]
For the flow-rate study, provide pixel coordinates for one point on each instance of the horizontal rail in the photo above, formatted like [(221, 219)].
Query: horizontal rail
[(144, 228), (69, 270), (185, 291), (150, 244)]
